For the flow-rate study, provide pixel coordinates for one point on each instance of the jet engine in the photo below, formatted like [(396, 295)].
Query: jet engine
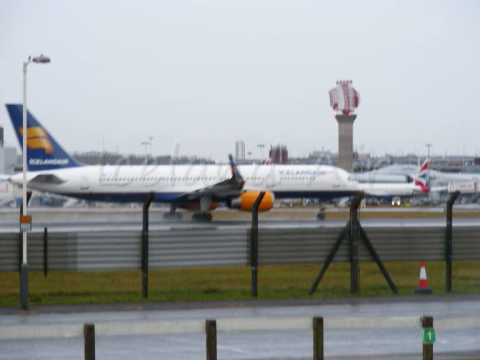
[(246, 200)]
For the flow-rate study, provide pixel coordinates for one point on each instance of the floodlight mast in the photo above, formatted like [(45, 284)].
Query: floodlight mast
[(41, 59)]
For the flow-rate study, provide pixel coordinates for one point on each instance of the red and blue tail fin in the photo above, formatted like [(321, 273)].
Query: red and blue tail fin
[(43, 151), (422, 179)]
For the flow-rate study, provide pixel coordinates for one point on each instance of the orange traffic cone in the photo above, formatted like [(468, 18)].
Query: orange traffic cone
[(423, 287)]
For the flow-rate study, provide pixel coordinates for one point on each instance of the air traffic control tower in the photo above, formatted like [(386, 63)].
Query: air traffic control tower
[(344, 99)]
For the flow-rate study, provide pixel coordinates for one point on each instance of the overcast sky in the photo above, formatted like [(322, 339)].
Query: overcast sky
[(205, 73)]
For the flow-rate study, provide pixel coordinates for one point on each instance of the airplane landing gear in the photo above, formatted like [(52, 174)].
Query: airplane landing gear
[(172, 214), (321, 214), (202, 216)]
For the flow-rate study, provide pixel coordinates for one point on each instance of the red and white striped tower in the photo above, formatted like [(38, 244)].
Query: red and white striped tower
[(344, 99)]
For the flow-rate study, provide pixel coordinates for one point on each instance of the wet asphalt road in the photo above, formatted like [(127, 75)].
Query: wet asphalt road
[(377, 330)]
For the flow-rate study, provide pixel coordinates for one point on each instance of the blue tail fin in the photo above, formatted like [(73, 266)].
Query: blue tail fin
[(43, 152)]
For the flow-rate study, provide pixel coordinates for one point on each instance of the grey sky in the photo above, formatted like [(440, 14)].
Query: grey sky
[(205, 73)]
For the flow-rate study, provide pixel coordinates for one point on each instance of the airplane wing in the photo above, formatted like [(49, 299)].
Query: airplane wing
[(438, 189), (220, 191), (46, 179)]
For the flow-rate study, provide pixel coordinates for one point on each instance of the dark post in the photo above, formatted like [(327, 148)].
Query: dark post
[(20, 243), (254, 244), (24, 303), (449, 240), (89, 341), (20, 251), (45, 252), (211, 333), (24, 287), (353, 235), (428, 337), (318, 352), (145, 245)]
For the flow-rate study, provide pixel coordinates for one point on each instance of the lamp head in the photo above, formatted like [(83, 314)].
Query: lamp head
[(42, 59)]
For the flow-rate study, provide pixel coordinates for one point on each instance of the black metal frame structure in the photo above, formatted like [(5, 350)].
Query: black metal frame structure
[(449, 240), (145, 244), (353, 232), (254, 245)]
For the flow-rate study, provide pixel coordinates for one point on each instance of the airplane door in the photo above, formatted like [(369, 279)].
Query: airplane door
[(84, 183), (271, 179)]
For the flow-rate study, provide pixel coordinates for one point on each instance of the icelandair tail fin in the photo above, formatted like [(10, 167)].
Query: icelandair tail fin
[(422, 180), (43, 151)]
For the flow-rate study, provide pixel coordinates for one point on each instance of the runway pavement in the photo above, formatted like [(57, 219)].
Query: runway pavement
[(79, 226), (61, 220), (379, 330)]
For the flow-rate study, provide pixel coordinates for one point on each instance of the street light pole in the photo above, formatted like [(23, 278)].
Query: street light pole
[(428, 150), (24, 156), (150, 140), (24, 266), (261, 147), (42, 59), (146, 144)]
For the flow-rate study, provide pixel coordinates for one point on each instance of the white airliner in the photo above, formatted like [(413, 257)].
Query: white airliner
[(200, 188), (406, 186), (439, 180)]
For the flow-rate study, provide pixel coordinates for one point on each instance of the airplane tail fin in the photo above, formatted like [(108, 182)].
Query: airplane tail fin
[(236, 176), (422, 179), (43, 151)]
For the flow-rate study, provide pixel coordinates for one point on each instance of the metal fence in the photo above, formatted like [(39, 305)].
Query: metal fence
[(222, 246)]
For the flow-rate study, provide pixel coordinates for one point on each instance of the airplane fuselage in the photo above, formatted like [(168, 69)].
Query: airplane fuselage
[(168, 182), (52, 169)]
